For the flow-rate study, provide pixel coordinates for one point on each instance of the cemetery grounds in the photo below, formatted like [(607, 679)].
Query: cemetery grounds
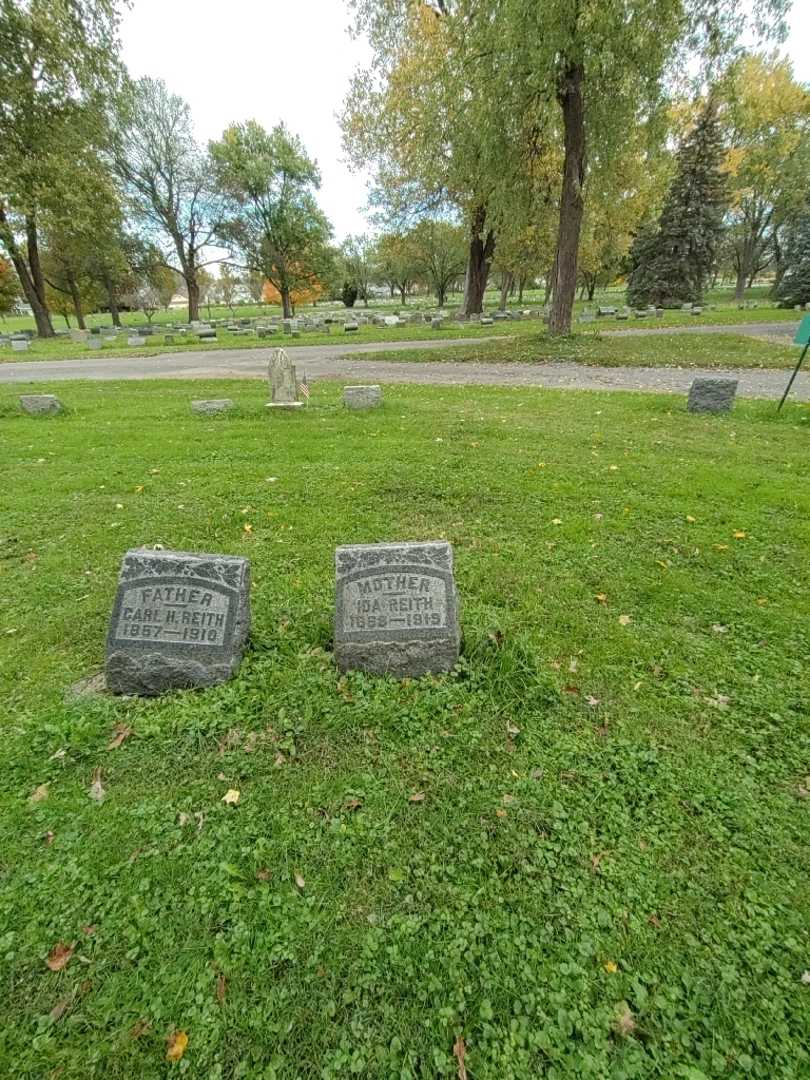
[(584, 853)]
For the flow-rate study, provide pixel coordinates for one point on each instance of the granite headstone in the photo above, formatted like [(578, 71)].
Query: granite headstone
[(711, 395), (180, 620), (396, 609), (40, 404)]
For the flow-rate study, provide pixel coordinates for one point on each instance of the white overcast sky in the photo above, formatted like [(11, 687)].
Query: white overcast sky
[(273, 60)]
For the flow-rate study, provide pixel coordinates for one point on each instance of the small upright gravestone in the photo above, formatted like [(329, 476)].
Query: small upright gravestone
[(180, 620), (283, 382), (20, 344), (362, 397), (711, 395), (396, 609), (40, 404), (207, 406)]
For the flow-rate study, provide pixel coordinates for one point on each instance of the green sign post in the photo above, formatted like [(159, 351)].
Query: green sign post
[(802, 338)]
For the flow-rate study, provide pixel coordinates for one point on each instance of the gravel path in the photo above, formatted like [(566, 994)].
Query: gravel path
[(329, 362)]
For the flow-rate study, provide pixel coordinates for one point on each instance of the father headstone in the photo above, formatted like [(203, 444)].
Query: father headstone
[(283, 383), (362, 397), (711, 395), (40, 404), (396, 609), (180, 620)]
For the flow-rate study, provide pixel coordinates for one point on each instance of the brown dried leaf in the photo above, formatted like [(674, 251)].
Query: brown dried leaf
[(59, 1009), (601, 598), (59, 955), (625, 620), (222, 986), (39, 794), (48, 838), (89, 929), (263, 874), (459, 1053), (418, 796), (120, 732), (352, 804), (139, 1028)]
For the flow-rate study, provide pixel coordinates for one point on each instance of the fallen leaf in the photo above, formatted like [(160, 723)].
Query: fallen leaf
[(459, 1052), (263, 874), (352, 804), (59, 955), (601, 598), (500, 813), (120, 732), (139, 1028), (597, 859), (720, 547), (89, 929), (58, 755), (806, 978), (60, 1008), (718, 628), (624, 1025), (183, 819), (177, 1043), (39, 794), (613, 468), (507, 800), (654, 921), (573, 665), (222, 986), (48, 838), (512, 730), (97, 792), (625, 620), (556, 521), (299, 880), (231, 797), (739, 534), (690, 519), (248, 527), (571, 689), (611, 967), (418, 796), (592, 701)]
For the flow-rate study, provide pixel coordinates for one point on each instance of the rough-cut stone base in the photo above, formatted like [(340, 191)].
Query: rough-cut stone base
[(40, 404), (362, 397), (400, 659), (711, 395), (150, 674), (212, 405)]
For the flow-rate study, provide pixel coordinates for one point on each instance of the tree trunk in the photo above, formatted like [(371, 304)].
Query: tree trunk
[(591, 288), (521, 286), (549, 285), (39, 308), (112, 300), (739, 287), (570, 97), (507, 281), (391, 290), (402, 291), (286, 304), (76, 300), (478, 263), (193, 290)]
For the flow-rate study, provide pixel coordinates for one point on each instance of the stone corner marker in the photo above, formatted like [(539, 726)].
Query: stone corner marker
[(396, 609), (362, 397), (711, 395), (180, 620), (40, 404), (212, 405)]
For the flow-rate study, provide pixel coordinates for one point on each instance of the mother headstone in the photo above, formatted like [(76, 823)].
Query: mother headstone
[(396, 609)]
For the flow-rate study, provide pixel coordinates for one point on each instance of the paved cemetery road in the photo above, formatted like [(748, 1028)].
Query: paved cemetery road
[(328, 362)]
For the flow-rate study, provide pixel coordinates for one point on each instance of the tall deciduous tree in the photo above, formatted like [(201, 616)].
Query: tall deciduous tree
[(273, 218), (794, 287), (58, 63), (440, 255), (9, 288), (168, 179), (766, 123)]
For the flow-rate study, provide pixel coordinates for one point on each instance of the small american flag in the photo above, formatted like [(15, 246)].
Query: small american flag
[(303, 388)]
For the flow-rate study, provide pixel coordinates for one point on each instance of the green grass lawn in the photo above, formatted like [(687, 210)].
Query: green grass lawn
[(608, 873), (664, 350)]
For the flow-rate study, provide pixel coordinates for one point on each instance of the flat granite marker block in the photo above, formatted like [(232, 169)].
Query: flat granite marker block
[(212, 405), (711, 395), (396, 609), (362, 397), (40, 404), (180, 620)]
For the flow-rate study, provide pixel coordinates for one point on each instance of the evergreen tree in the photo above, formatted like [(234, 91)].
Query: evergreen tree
[(672, 266), (794, 287)]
